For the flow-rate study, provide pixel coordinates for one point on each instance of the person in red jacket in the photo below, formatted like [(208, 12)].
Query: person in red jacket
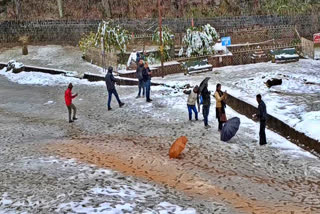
[(68, 98)]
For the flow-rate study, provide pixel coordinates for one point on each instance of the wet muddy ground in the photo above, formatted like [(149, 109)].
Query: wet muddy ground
[(127, 149)]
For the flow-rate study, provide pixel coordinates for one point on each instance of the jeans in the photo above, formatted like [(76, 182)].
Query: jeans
[(148, 88), (141, 86), (110, 92), (70, 108), (262, 133), (205, 112), (194, 109)]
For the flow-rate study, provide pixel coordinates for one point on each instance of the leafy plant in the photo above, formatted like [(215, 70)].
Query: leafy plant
[(200, 41), (111, 37), (167, 40), (86, 42)]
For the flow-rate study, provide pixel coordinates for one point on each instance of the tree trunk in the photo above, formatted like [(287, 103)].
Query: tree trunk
[(107, 8), (131, 9), (181, 8), (60, 6), (25, 49), (18, 8)]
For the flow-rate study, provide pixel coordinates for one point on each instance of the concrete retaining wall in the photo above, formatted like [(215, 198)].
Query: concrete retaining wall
[(121, 81), (276, 125)]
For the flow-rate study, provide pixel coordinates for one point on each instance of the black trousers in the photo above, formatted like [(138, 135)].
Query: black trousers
[(262, 133)]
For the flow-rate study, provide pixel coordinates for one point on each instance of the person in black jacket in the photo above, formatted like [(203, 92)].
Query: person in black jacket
[(262, 116), (139, 75), (110, 80), (205, 93), (147, 80)]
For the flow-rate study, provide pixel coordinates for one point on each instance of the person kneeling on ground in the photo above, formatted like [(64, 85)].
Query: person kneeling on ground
[(68, 99), (191, 103), (110, 80)]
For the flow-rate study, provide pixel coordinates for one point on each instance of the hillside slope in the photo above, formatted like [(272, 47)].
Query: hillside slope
[(98, 9)]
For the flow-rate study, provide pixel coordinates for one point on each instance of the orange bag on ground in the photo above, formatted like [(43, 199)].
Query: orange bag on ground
[(177, 147)]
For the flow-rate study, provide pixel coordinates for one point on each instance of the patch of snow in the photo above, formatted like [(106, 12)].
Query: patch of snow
[(218, 47), (168, 208), (132, 58), (126, 71), (49, 102), (286, 56), (310, 124), (165, 64), (13, 63), (127, 198), (36, 78)]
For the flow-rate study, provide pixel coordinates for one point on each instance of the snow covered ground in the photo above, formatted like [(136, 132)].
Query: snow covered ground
[(43, 79), (242, 88), (112, 194), (237, 173), (51, 56), (296, 101)]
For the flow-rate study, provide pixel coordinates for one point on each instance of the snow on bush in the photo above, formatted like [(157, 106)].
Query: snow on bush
[(167, 40), (200, 41), (13, 65), (114, 38)]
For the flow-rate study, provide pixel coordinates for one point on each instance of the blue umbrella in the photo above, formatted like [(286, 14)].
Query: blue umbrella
[(230, 129)]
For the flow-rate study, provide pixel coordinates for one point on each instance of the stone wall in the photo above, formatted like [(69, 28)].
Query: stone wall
[(70, 31)]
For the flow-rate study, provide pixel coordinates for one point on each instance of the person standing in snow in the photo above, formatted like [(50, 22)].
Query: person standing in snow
[(205, 93), (68, 96), (147, 80), (191, 103), (262, 116), (139, 75), (110, 81), (220, 106)]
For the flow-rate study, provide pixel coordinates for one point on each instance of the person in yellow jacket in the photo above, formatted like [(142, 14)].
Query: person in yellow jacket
[(220, 105)]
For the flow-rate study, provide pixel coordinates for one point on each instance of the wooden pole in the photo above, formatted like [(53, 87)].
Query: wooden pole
[(160, 36)]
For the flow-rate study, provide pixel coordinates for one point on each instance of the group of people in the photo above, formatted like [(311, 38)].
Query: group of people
[(195, 95), (204, 95), (143, 74)]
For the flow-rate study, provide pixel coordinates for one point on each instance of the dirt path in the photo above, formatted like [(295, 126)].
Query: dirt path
[(145, 157)]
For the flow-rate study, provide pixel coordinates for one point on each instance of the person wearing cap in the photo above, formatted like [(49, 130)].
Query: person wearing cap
[(68, 96), (110, 83), (193, 98)]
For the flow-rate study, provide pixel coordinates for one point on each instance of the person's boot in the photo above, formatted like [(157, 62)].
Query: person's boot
[(121, 104), (207, 126), (137, 96), (74, 118), (109, 108), (70, 121)]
